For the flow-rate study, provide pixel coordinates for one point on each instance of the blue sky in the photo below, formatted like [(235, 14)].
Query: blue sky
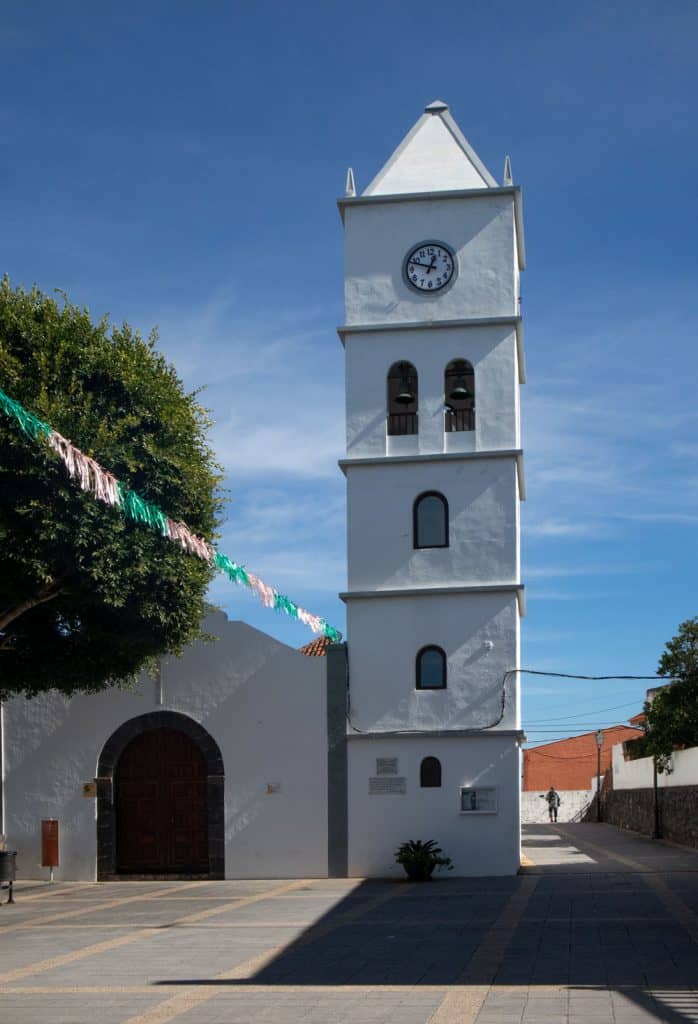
[(178, 164)]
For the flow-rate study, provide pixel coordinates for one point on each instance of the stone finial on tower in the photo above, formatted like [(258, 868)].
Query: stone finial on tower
[(437, 107), (350, 187), (508, 180)]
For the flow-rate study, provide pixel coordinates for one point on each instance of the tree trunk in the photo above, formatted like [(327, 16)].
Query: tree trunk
[(47, 593)]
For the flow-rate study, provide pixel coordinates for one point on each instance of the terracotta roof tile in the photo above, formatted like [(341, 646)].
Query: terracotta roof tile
[(317, 648)]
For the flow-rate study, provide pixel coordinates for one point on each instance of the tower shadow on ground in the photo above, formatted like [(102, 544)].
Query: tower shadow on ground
[(584, 929)]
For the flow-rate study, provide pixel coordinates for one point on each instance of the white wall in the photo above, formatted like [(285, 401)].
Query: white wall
[(480, 230), (482, 498), (639, 774), (385, 636), (573, 806), (479, 844), (492, 352), (263, 703), (431, 159)]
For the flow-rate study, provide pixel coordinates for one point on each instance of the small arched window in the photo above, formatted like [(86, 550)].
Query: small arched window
[(459, 393), (430, 773), (430, 521), (431, 669), (403, 399)]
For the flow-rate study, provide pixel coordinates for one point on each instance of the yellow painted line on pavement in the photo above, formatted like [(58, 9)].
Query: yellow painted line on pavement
[(51, 890), (79, 954), (118, 901), (674, 904), (397, 922), (193, 997), (141, 933), (464, 1000), (223, 988)]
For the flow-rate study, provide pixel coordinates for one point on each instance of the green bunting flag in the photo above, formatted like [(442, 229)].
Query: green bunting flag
[(106, 488)]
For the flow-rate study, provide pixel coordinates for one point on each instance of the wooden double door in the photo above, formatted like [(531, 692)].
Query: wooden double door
[(161, 805)]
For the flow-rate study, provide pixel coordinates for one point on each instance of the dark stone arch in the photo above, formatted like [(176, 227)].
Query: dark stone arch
[(108, 760)]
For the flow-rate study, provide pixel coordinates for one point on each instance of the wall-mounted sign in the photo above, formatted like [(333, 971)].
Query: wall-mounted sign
[(482, 800), (387, 787), (386, 765)]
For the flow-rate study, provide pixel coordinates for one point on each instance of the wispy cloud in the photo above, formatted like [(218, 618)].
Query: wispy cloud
[(562, 528), (598, 430), (588, 569), (274, 381)]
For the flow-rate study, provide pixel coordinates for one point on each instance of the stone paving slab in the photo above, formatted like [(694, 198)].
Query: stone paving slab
[(601, 927)]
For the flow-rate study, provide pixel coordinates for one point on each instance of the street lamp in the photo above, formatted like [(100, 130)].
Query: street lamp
[(598, 736)]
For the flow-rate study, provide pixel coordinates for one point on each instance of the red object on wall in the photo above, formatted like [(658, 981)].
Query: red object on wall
[(49, 843), (571, 763)]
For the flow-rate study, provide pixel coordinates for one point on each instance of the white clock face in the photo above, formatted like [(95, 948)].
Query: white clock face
[(429, 267)]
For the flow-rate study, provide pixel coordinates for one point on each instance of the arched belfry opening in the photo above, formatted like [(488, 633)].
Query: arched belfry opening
[(403, 400), (459, 396), (160, 809)]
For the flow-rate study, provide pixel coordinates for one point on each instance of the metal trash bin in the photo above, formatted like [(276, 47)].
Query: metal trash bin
[(8, 871)]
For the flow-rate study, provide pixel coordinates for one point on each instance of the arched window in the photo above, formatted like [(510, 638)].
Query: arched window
[(403, 399), (459, 393), (430, 521), (430, 773), (431, 669)]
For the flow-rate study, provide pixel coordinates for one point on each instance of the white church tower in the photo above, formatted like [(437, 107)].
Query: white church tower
[(434, 360)]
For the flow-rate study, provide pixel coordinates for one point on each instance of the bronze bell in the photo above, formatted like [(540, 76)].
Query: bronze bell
[(460, 392), (405, 396)]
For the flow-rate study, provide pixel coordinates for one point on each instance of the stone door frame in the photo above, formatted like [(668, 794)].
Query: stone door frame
[(215, 783)]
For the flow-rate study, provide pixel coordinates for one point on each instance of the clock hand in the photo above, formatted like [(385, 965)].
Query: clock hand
[(431, 265), (418, 264)]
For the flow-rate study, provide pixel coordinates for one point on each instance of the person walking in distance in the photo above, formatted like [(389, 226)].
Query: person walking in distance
[(553, 798)]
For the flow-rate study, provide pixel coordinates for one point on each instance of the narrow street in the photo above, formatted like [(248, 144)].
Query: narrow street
[(599, 926)]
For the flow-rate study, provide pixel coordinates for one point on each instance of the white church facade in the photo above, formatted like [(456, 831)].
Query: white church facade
[(249, 759)]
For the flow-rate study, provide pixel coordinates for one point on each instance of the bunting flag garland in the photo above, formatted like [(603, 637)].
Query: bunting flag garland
[(104, 486)]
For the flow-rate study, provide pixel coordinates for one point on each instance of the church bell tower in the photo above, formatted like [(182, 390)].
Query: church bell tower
[(434, 359)]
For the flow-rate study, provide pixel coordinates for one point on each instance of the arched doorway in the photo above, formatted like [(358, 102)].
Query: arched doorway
[(160, 800), (160, 803)]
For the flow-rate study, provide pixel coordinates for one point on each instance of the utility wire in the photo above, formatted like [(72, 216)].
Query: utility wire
[(502, 700), (600, 711), (584, 727), (570, 675)]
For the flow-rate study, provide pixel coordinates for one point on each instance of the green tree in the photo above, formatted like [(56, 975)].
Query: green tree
[(87, 598), (672, 712)]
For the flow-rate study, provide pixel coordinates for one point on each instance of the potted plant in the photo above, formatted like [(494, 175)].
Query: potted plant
[(420, 858)]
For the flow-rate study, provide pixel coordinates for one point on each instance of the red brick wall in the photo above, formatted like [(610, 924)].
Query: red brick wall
[(571, 763)]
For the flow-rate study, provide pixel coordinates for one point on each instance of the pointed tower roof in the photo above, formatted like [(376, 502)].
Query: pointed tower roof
[(434, 156)]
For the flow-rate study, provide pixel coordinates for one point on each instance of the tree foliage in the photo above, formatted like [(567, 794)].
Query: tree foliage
[(672, 712), (88, 598)]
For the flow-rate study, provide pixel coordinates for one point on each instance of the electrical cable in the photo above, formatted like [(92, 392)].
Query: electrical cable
[(565, 757), (586, 727), (503, 700), (600, 711)]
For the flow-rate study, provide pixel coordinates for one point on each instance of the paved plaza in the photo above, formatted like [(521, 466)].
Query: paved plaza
[(600, 926)]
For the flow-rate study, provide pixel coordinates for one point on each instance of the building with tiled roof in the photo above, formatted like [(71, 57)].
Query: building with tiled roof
[(571, 763), (317, 648)]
